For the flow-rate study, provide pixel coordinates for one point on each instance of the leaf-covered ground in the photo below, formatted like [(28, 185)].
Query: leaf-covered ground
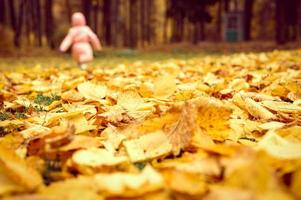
[(182, 126)]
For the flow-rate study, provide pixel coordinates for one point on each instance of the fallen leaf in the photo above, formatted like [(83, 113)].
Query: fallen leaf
[(96, 157), (258, 111), (181, 133), (92, 91), (129, 185), (281, 106), (149, 146), (279, 147), (18, 171), (164, 86)]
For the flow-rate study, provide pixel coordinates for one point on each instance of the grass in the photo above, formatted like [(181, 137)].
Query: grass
[(102, 59), (40, 58)]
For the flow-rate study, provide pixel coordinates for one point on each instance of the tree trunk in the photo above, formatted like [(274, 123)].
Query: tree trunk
[(165, 23), (114, 22), (292, 18), (133, 23), (39, 23), (95, 16), (248, 15), (280, 22), (28, 21), (68, 9), (49, 25), (202, 31), (107, 21), (19, 26), (142, 21), (197, 31), (219, 20), (177, 33), (2, 12), (226, 5), (86, 5), (149, 30), (12, 13)]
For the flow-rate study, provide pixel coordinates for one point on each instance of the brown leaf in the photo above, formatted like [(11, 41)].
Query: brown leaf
[(59, 136), (181, 133)]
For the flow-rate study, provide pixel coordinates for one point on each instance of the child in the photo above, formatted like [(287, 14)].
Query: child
[(80, 36)]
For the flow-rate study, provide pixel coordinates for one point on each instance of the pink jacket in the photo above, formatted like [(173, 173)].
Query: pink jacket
[(80, 36)]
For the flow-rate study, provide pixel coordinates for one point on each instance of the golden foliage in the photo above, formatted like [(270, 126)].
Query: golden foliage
[(214, 127)]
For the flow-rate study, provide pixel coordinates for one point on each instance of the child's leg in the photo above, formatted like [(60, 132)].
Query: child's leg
[(83, 60), (83, 66)]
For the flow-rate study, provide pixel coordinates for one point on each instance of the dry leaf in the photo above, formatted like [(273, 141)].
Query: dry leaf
[(73, 189), (187, 183), (281, 106), (82, 142), (92, 91), (213, 118), (72, 96), (181, 133), (18, 171), (95, 157), (164, 86), (127, 185), (149, 146), (257, 111), (279, 147)]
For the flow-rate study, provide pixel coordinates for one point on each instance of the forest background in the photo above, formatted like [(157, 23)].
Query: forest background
[(145, 23)]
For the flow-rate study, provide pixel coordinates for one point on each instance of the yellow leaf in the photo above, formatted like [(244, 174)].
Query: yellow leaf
[(131, 101), (164, 86), (127, 185), (18, 170), (279, 147), (281, 106), (213, 117), (186, 183), (81, 188), (92, 91), (257, 111), (95, 157), (181, 133), (148, 147)]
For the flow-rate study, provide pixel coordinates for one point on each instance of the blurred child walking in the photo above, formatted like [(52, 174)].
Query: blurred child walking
[(80, 37)]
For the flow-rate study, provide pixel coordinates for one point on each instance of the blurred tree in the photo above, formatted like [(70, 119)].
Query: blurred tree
[(2, 12), (176, 10), (133, 33), (134, 23), (286, 20), (68, 9), (12, 14), (248, 15), (49, 25), (19, 24), (86, 9)]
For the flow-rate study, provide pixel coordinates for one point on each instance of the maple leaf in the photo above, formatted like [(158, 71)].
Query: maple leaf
[(180, 135)]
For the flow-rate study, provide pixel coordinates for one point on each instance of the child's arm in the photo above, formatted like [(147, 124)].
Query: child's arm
[(66, 43), (94, 40)]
